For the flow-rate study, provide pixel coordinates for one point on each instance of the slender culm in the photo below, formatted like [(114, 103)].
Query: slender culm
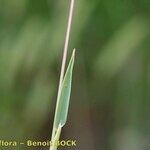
[(65, 78)]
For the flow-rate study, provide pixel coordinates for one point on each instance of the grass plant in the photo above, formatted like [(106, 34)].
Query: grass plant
[(64, 89)]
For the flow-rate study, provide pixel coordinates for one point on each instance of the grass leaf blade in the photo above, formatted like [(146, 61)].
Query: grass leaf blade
[(64, 97)]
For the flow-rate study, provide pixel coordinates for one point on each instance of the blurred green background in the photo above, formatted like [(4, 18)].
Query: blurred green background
[(110, 101)]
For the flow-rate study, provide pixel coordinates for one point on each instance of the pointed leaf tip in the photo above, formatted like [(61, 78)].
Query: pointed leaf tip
[(64, 97)]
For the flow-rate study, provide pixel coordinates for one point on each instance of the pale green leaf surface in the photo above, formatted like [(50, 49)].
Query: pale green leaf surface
[(64, 96)]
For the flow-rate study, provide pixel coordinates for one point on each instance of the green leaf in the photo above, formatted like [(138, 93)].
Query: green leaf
[(64, 96)]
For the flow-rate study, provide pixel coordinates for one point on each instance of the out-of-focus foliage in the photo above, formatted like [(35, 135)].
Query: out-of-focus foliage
[(111, 88)]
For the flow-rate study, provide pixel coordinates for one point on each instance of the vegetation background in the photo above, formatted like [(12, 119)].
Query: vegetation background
[(110, 101)]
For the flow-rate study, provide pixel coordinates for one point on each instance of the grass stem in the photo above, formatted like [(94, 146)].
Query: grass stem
[(65, 50)]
